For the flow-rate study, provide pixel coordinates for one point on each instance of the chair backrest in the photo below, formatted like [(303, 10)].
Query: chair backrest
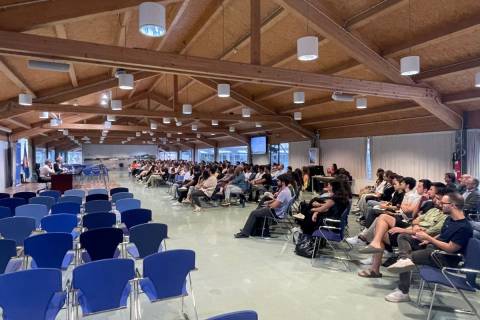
[(48, 201), (99, 220), (135, 217), (121, 195), (66, 207), (127, 204), (59, 223), (98, 206), (102, 284), (5, 212), (74, 199), (179, 178), (97, 191), (8, 249), (35, 211), (238, 315), (101, 243), (344, 220), (75, 192), (93, 197), (17, 228), (28, 294), (168, 271), (24, 195), (51, 193), (49, 249), (12, 203), (147, 237), (4, 195), (117, 190), (472, 259)]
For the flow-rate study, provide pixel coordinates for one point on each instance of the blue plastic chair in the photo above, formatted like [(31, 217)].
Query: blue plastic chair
[(135, 217), (165, 275), (121, 195), (73, 199), (5, 212), (146, 239), (93, 197), (103, 285), (4, 195), (32, 294), (51, 193), (62, 222), (75, 192), (127, 204), (238, 315), (12, 203), (35, 211), (101, 243), (98, 206), (459, 279), (66, 207), (17, 228), (24, 195), (117, 190), (49, 250), (97, 220), (48, 201), (8, 250), (97, 191)]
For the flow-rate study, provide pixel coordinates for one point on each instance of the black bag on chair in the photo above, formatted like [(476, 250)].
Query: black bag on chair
[(305, 246)]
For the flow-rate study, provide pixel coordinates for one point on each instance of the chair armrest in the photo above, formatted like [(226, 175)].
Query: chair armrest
[(474, 216), (436, 254), (329, 228), (332, 220)]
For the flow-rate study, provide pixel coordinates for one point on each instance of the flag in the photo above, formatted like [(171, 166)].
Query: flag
[(25, 165)]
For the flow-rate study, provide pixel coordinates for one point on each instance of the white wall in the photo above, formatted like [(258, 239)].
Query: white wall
[(3, 164), (298, 154), (261, 159), (113, 155)]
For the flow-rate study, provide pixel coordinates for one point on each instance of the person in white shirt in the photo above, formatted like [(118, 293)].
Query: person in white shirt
[(46, 171)]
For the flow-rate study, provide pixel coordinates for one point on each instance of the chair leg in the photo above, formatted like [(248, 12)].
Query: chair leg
[(313, 252), (263, 227), (193, 296), (431, 303), (472, 308), (420, 292)]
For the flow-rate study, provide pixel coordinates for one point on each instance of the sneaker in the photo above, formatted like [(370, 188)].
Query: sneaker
[(299, 216), (402, 265), (225, 204), (367, 261), (397, 296), (355, 241), (391, 260), (240, 235)]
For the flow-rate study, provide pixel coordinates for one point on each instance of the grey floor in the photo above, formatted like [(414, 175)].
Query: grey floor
[(263, 275)]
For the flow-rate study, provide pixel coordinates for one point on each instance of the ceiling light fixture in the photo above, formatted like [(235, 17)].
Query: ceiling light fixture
[(410, 65), (342, 97), (299, 97), (223, 90), (307, 48), (246, 112), (54, 122), (187, 108), (25, 99), (258, 125), (194, 127), (125, 80), (116, 105), (107, 125), (361, 103), (137, 134), (199, 135), (297, 116), (48, 66), (153, 125), (166, 120), (151, 19), (214, 122), (231, 129), (44, 115), (477, 80), (111, 118)]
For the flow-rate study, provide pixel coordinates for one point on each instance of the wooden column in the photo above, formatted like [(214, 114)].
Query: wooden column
[(255, 25)]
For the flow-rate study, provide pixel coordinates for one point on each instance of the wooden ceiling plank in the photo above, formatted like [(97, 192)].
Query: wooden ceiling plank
[(124, 20), (62, 34), (255, 31), (13, 76), (19, 123)]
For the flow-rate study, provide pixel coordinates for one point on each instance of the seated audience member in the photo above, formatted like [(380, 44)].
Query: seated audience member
[(155, 178), (58, 166), (273, 208), (462, 183), (417, 249), (236, 185), (46, 171), (371, 189), (332, 206), (279, 170), (204, 189), (182, 191), (261, 184), (372, 193), (471, 195), (332, 170), (306, 178), (386, 230), (451, 181)]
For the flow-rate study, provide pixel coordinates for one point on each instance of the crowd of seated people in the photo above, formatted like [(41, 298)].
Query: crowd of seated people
[(416, 219)]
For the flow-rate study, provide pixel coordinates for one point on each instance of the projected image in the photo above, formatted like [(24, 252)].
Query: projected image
[(258, 145)]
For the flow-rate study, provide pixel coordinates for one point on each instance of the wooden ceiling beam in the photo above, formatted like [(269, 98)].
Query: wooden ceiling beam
[(62, 34), (255, 31), (19, 123), (461, 97), (14, 77), (448, 69), (124, 20)]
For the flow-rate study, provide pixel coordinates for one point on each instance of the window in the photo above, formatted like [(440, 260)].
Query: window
[(206, 155), (368, 158), (233, 154), (279, 153), (40, 156), (166, 155), (51, 155), (186, 155), (74, 157)]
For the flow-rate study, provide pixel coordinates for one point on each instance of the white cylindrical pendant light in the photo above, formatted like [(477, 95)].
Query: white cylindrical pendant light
[(214, 122), (151, 19), (107, 125), (54, 122), (153, 125), (199, 135), (298, 97), (187, 108), (297, 115), (178, 139), (25, 99), (477, 80), (307, 48), (231, 129), (125, 81), (65, 132), (246, 112), (169, 135), (111, 118), (44, 115), (361, 103), (223, 90), (194, 127), (137, 134), (104, 102), (179, 123), (258, 125), (166, 120), (410, 65), (116, 105)]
